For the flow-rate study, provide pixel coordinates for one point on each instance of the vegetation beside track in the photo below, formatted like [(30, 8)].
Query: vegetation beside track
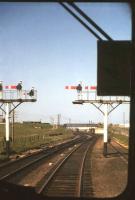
[(119, 133), (30, 136), (122, 139)]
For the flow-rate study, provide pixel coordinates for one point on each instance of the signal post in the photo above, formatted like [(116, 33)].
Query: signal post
[(105, 104), (10, 99)]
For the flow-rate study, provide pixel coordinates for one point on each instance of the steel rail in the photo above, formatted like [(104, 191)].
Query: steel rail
[(56, 170), (85, 170), (43, 150), (8, 175), (81, 172), (58, 167), (121, 152)]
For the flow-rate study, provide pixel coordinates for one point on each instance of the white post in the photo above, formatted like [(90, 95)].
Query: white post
[(7, 127), (7, 121), (105, 128)]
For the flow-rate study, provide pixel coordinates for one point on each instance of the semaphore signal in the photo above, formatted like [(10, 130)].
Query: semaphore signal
[(11, 96), (88, 94), (73, 87), (70, 87), (8, 87)]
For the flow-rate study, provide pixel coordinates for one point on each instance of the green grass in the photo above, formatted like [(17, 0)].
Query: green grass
[(121, 134), (25, 129), (122, 139), (29, 136)]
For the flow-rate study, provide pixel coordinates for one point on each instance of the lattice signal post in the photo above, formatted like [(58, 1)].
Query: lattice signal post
[(10, 99), (105, 104)]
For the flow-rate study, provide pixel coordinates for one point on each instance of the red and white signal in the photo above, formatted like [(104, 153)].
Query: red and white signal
[(85, 87), (9, 87), (72, 87)]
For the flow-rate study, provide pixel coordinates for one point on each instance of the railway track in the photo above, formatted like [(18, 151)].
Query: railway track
[(71, 176), (13, 168), (120, 150)]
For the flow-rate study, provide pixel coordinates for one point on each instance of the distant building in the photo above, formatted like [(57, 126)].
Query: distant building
[(46, 123), (31, 122), (82, 127), (36, 122)]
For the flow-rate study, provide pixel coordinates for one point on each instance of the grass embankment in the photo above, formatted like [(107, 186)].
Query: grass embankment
[(29, 136), (122, 139), (120, 134)]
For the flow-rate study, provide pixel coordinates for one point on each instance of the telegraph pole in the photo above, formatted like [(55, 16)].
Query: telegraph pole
[(58, 120)]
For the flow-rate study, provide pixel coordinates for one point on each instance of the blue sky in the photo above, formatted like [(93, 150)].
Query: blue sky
[(45, 47)]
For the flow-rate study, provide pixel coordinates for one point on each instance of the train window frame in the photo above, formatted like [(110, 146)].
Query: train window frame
[(19, 192)]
